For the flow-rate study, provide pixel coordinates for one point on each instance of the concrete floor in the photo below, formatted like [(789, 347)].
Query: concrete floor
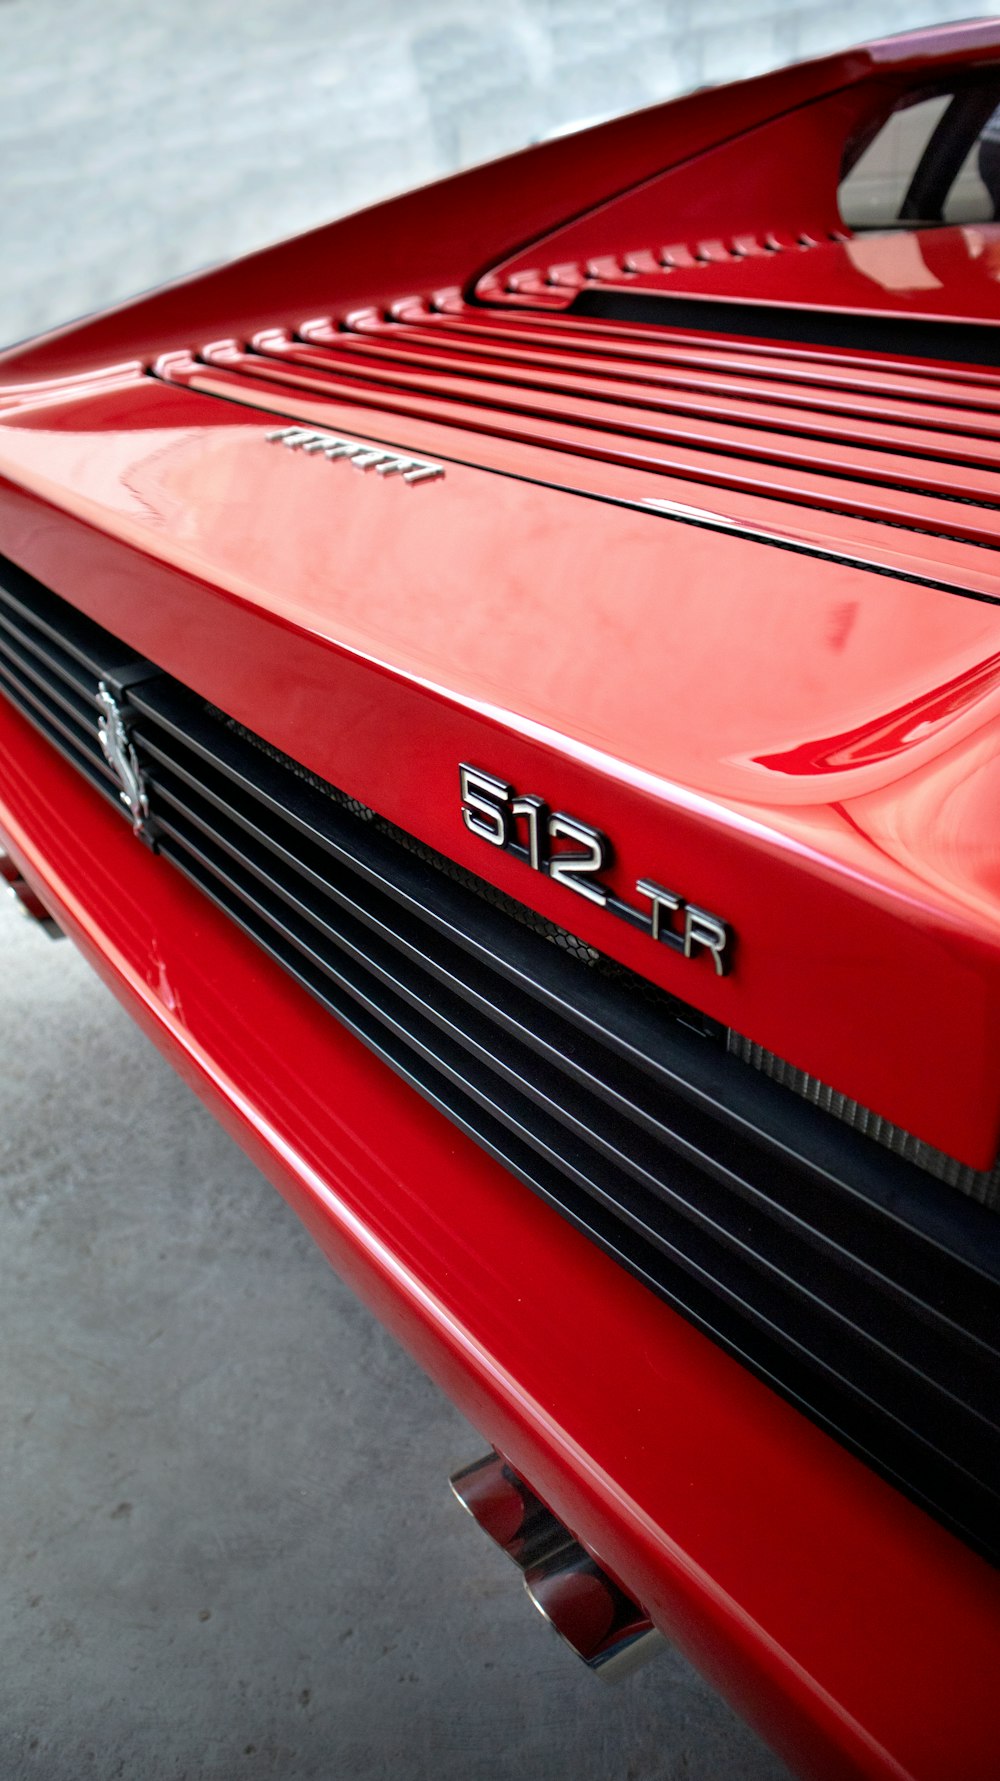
[(228, 1548)]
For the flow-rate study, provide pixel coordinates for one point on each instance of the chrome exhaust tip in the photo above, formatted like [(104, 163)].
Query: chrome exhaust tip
[(508, 1511), (609, 1631), (28, 902)]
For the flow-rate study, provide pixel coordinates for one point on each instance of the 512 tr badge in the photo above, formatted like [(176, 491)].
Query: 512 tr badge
[(525, 826)]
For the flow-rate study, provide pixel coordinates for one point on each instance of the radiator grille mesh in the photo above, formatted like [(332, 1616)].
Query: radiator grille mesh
[(861, 1290), (980, 1184)]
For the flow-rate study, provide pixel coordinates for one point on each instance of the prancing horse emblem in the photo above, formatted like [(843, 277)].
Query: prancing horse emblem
[(121, 757)]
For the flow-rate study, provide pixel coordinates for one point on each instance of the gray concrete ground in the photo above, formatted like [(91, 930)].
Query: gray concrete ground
[(227, 1544)]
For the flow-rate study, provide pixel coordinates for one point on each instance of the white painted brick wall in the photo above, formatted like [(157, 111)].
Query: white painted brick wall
[(139, 142)]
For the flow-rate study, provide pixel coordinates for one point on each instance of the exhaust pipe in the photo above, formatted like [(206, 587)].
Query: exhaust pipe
[(509, 1511), (604, 1626), (28, 901)]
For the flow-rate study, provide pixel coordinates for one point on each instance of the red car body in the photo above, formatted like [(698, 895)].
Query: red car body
[(776, 691)]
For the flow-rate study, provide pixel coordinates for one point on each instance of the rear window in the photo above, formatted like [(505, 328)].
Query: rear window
[(935, 158)]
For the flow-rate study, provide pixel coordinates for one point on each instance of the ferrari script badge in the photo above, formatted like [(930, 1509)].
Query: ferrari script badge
[(363, 457)]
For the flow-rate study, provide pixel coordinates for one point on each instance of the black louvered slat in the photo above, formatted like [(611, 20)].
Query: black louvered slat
[(67, 737), (701, 1293), (866, 1293), (52, 661), (260, 794), (302, 876), (52, 621), (860, 1315), (58, 668), (77, 706)]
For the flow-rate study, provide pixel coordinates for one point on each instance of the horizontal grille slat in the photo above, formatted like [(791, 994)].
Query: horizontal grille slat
[(552, 1095), (52, 660), (68, 640), (970, 471), (864, 1292), (878, 420), (522, 1152), (904, 481), (867, 369), (65, 733), (74, 705), (84, 764), (58, 668), (626, 1094), (867, 410)]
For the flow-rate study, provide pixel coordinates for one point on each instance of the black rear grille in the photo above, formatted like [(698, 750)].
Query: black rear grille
[(865, 1293), (51, 662)]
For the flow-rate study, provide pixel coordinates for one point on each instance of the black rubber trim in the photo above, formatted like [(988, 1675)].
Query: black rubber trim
[(959, 343)]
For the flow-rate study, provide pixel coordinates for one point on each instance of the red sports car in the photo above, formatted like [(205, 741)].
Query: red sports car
[(506, 688)]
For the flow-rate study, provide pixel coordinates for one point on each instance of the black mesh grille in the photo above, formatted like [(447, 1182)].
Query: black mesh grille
[(866, 1293), (980, 1184)]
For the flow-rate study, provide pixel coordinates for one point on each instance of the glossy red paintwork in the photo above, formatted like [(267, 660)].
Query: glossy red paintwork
[(725, 447), (856, 1634), (808, 751), (806, 746), (950, 273)]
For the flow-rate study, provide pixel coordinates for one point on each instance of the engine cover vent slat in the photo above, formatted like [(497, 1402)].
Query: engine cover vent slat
[(897, 474)]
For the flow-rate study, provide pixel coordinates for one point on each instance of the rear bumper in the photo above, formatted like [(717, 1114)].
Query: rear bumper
[(850, 1629)]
